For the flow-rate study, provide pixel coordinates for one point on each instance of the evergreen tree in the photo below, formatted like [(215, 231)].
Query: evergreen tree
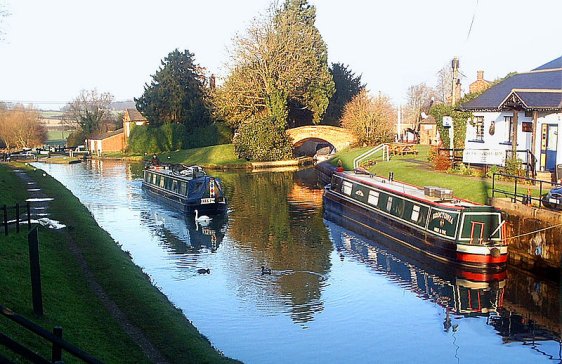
[(348, 85), (176, 93)]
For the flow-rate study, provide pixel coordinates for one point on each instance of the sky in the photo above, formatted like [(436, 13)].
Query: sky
[(51, 50)]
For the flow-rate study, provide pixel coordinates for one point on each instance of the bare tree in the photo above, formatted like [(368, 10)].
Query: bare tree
[(418, 97), (372, 119), (89, 110), (20, 128), (444, 84)]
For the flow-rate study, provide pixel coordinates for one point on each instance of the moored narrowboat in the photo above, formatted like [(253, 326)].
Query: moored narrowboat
[(187, 186), (429, 221)]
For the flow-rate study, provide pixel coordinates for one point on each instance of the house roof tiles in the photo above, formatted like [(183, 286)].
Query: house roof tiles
[(538, 89)]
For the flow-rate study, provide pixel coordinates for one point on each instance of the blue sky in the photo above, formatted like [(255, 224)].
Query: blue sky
[(53, 49)]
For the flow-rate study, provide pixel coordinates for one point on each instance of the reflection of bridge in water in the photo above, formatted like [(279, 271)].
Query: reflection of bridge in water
[(460, 294)]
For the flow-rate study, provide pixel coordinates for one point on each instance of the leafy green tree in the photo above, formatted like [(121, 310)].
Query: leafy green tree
[(347, 85), (279, 70), (176, 93)]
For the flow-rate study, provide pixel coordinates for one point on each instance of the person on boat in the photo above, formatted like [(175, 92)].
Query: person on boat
[(340, 166), (155, 160)]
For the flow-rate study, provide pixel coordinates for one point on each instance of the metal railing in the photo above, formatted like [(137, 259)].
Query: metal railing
[(522, 191), (381, 147)]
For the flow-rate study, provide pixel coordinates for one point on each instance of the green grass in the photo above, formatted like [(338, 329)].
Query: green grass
[(69, 303), (213, 156), (417, 170), (57, 137)]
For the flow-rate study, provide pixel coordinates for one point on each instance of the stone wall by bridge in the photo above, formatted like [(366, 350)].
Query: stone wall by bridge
[(340, 138)]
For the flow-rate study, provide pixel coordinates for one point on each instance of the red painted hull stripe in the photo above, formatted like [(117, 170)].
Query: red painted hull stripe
[(476, 258)]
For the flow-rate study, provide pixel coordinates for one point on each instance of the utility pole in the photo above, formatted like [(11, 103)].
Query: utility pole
[(455, 66)]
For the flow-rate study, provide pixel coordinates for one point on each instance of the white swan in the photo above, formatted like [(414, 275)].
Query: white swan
[(203, 219)]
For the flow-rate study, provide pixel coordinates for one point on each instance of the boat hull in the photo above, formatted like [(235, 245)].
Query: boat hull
[(391, 232)]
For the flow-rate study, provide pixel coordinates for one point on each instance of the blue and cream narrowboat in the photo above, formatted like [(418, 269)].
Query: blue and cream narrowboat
[(429, 221), (189, 187)]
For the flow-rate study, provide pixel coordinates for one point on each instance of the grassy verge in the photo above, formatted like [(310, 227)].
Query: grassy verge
[(416, 170), (69, 303), (214, 156)]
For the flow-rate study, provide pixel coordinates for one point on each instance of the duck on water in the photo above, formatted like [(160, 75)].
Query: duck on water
[(188, 187)]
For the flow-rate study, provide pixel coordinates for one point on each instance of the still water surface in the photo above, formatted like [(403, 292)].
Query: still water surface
[(332, 297)]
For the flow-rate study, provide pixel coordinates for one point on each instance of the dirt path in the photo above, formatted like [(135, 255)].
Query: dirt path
[(40, 209)]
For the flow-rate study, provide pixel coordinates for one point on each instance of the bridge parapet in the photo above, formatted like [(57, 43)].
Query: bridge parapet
[(340, 138)]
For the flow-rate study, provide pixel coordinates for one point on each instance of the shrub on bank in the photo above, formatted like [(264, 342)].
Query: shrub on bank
[(261, 140)]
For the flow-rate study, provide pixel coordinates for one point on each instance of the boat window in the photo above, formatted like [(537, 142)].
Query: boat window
[(415, 213), (153, 179), (175, 186), (183, 188), (347, 188), (389, 203), (373, 198), (162, 181)]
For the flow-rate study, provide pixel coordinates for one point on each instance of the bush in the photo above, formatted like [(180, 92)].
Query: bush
[(149, 139), (212, 134), (262, 140), (75, 138)]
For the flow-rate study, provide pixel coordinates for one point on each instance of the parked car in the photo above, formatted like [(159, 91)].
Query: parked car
[(553, 199)]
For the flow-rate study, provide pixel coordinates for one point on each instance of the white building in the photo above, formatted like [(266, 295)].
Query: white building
[(522, 114)]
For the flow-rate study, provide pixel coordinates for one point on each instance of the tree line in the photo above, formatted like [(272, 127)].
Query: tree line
[(278, 77)]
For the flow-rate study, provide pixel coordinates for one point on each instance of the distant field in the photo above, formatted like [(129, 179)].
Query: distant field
[(56, 137), (51, 114)]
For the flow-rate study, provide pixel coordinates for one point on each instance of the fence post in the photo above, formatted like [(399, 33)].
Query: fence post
[(35, 272), (28, 216), (17, 217), (5, 220), (56, 353)]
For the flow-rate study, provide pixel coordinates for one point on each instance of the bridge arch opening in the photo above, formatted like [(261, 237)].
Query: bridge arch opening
[(310, 147)]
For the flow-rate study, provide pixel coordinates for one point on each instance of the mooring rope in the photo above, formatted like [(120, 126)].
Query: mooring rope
[(533, 232)]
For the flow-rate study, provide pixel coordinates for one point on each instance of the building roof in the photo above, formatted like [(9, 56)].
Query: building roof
[(135, 115), (539, 89), (103, 136)]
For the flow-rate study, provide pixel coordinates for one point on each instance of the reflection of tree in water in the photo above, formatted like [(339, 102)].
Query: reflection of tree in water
[(289, 238)]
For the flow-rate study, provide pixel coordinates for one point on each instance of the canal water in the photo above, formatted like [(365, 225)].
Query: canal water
[(332, 296)]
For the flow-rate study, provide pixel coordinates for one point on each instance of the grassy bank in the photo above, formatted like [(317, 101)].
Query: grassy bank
[(417, 170), (70, 303), (214, 156)]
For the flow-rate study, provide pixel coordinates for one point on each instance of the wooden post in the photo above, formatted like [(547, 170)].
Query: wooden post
[(35, 269), (17, 217), (56, 353), (28, 216), (514, 133), (5, 220)]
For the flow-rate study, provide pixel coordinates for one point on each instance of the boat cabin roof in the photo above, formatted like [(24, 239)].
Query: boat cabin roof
[(407, 190), (187, 172)]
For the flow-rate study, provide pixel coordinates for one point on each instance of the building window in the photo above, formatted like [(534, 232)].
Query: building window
[(479, 125), (508, 126)]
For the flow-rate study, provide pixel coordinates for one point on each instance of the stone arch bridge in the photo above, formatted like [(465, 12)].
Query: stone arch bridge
[(340, 138)]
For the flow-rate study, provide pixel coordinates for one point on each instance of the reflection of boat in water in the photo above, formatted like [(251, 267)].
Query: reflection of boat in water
[(190, 187), (183, 234), (457, 290), (428, 221)]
